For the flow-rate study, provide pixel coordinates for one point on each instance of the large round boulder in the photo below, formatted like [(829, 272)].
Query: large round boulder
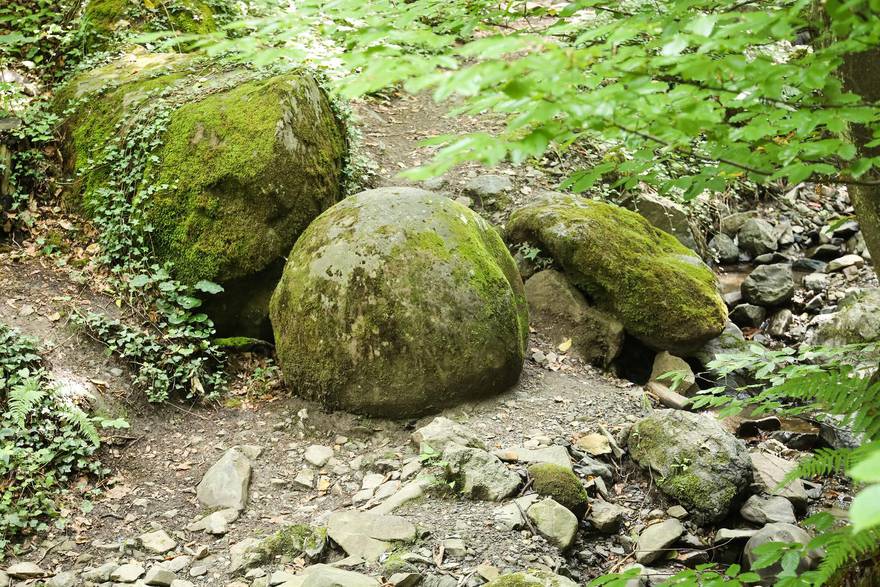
[(244, 164), (397, 302), (695, 460), (661, 291)]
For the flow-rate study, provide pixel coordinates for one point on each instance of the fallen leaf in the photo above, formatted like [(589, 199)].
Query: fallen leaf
[(564, 345)]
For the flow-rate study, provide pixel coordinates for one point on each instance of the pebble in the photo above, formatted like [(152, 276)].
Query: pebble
[(318, 455)]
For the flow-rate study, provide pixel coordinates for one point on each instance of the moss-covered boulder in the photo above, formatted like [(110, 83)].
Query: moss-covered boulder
[(104, 20), (694, 460), (244, 164), (661, 291), (398, 302), (560, 483)]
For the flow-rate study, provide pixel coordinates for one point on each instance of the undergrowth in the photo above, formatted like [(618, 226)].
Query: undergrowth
[(46, 441)]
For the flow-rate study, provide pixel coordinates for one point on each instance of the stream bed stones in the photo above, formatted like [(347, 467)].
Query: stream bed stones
[(399, 302)]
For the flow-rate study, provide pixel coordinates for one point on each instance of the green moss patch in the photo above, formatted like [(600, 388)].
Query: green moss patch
[(561, 484)]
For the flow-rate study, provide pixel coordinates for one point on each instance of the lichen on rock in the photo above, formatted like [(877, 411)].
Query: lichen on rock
[(664, 295), (398, 302)]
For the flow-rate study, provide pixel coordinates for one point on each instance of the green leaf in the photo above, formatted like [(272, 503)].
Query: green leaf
[(139, 280), (208, 287), (188, 302), (868, 470), (864, 513)]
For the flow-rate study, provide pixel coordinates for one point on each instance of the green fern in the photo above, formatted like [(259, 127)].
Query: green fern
[(75, 416), (23, 398), (841, 547)]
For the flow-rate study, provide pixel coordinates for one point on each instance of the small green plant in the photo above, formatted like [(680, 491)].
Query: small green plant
[(534, 255), (46, 441)]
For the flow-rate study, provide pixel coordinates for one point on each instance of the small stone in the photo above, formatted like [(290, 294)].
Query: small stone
[(769, 285), (198, 571), (757, 236), (368, 535), (178, 563), (844, 262), (769, 472), (158, 542), (62, 579), (127, 573), (595, 444), (159, 575), (554, 522), (318, 455), (655, 539), (305, 479), (100, 574), (779, 322), (454, 547), (557, 455), (680, 371), (479, 474), (405, 579), (677, 512), (779, 532), (372, 481), (25, 570), (724, 249), (724, 535), (748, 315), (763, 510), (606, 517), (816, 282)]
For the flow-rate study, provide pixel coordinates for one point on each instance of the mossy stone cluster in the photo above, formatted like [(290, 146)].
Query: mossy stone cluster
[(662, 293), (244, 165), (695, 460), (397, 302), (562, 485)]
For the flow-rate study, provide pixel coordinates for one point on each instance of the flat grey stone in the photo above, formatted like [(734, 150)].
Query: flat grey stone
[(554, 522), (225, 484), (368, 535), (127, 573), (656, 538)]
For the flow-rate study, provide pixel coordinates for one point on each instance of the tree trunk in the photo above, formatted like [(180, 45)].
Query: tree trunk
[(861, 75)]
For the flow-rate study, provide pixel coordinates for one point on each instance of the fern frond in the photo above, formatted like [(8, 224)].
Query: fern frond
[(78, 418), (23, 398), (828, 461), (841, 547)]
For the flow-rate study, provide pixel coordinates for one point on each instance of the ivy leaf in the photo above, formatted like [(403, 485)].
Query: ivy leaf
[(139, 280), (208, 287)]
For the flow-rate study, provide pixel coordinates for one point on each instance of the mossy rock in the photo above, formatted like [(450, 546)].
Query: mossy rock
[(398, 302), (661, 291), (245, 164), (560, 483), (103, 20), (289, 543), (694, 459), (531, 578)]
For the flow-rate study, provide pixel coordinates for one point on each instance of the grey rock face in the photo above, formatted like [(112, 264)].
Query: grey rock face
[(857, 320), (757, 237), (226, 483), (560, 309), (769, 285), (724, 249), (479, 474), (769, 472)]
